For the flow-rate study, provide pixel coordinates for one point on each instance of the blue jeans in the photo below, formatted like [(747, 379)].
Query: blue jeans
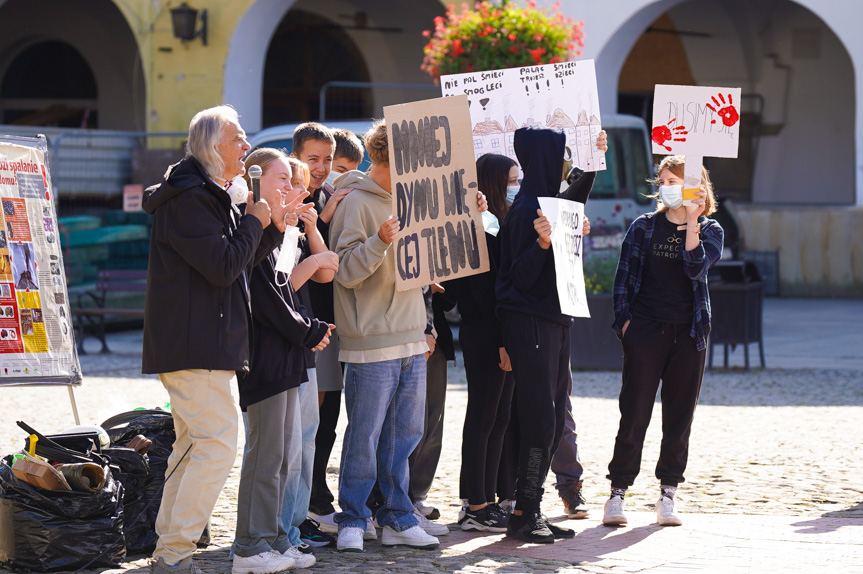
[(385, 404), (298, 487)]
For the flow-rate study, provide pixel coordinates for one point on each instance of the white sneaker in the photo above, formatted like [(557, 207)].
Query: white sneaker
[(429, 512), (415, 537), (665, 512), (464, 507), (370, 533), (263, 563), (613, 515), (301, 559), (350, 539), (430, 526), (327, 522)]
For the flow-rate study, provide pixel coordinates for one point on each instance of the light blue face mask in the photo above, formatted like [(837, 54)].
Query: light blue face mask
[(511, 192), (490, 224), (331, 179)]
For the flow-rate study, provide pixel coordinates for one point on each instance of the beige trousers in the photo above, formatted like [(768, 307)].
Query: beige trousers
[(206, 423)]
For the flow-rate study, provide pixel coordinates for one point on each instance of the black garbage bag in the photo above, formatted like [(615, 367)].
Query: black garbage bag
[(48, 530), (134, 473), (159, 428)]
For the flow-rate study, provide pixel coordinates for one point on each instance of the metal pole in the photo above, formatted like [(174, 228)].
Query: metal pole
[(74, 405)]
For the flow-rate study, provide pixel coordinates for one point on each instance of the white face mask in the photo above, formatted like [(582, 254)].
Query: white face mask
[(490, 223), (511, 192), (331, 179), (671, 196), (238, 190), (288, 254)]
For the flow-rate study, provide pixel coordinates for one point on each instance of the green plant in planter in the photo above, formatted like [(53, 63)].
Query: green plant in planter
[(491, 37), (599, 271)]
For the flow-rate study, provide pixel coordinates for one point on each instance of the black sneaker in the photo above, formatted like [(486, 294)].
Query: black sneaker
[(305, 548), (559, 531), (574, 505), (496, 510), (311, 534), (482, 520), (529, 527)]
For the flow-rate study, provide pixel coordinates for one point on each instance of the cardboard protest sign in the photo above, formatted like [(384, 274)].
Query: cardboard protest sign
[(560, 96), (566, 218), (37, 343), (434, 189), (696, 120)]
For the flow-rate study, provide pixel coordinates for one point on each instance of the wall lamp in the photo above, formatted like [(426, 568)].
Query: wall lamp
[(184, 19)]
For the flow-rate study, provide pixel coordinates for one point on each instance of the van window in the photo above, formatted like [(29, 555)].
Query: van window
[(641, 169)]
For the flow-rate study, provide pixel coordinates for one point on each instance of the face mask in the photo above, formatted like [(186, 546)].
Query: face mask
[(671, 196), (511, 192), (490, 223), (238, 190), (330, 182), (288, 254)]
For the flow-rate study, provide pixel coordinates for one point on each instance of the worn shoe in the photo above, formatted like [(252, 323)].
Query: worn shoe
[(263, 563), (184, 566), (414, 537), (613, 514), (304, 548), (370, 533), (507, 505), (430, 527), (429, 512), (464, 507), (558, 531), (529, 527), (574, 505), (311, 534), (326, 522), (665, 515), (495, 510), (301, 559), (350, 539), (483, 520)]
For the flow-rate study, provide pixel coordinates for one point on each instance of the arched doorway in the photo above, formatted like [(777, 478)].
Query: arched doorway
[(307, 51), (63, 93), (83, 57), (797, 79)]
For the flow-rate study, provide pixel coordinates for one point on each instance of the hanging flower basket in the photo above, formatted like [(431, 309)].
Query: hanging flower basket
[(491, 37)]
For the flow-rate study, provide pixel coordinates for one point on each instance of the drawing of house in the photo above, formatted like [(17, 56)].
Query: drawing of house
[(598, 156), (509, 128), (560, 120), (488, 137), (583, 152)]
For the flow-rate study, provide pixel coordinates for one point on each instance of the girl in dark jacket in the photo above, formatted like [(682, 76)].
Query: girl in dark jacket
[(281, 331), (486, 362), (662, 316)]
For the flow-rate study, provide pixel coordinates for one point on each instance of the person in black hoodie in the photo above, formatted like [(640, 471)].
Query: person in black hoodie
[(196, 320), (269, 393), (535, 332)]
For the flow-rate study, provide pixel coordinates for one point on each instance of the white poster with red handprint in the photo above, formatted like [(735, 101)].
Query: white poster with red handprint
[(696, 120)]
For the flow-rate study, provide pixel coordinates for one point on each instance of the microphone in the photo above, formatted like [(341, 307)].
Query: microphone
[(255, 173)]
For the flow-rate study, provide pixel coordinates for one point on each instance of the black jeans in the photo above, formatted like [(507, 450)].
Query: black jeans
[(489, 396), (654, 351), (508, 466), (321, 501), (539, 352)]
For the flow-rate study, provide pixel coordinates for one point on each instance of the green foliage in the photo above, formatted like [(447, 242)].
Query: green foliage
[(491, 37), (599, 270)]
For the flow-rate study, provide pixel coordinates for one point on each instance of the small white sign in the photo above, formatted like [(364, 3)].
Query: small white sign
[(133, 197), (566, 218)]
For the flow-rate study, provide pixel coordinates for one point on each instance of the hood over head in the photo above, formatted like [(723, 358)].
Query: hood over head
[(540, 153)]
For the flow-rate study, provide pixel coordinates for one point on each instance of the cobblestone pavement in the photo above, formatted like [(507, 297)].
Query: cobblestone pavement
[(773, 482)]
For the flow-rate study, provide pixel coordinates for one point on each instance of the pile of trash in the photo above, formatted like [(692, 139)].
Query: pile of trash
[(85, 497)]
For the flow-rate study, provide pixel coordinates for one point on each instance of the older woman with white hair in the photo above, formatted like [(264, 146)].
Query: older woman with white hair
[(196, 319)]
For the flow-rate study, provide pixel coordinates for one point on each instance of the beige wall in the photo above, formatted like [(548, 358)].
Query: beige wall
[(820, 249)]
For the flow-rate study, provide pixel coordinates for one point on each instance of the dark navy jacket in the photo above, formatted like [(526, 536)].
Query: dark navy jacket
[(526, 281)]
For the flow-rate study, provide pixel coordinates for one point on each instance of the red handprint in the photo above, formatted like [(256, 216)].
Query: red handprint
[(728, 113), (662, 134)]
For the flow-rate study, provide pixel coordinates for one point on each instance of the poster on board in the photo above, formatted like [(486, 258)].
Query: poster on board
[(434, 188), (696, 120), (560, 96), (567, 218), (37, 341)]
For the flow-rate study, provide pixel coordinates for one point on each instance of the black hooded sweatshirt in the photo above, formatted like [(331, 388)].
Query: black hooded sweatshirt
[(526, 281), (196, 309)]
